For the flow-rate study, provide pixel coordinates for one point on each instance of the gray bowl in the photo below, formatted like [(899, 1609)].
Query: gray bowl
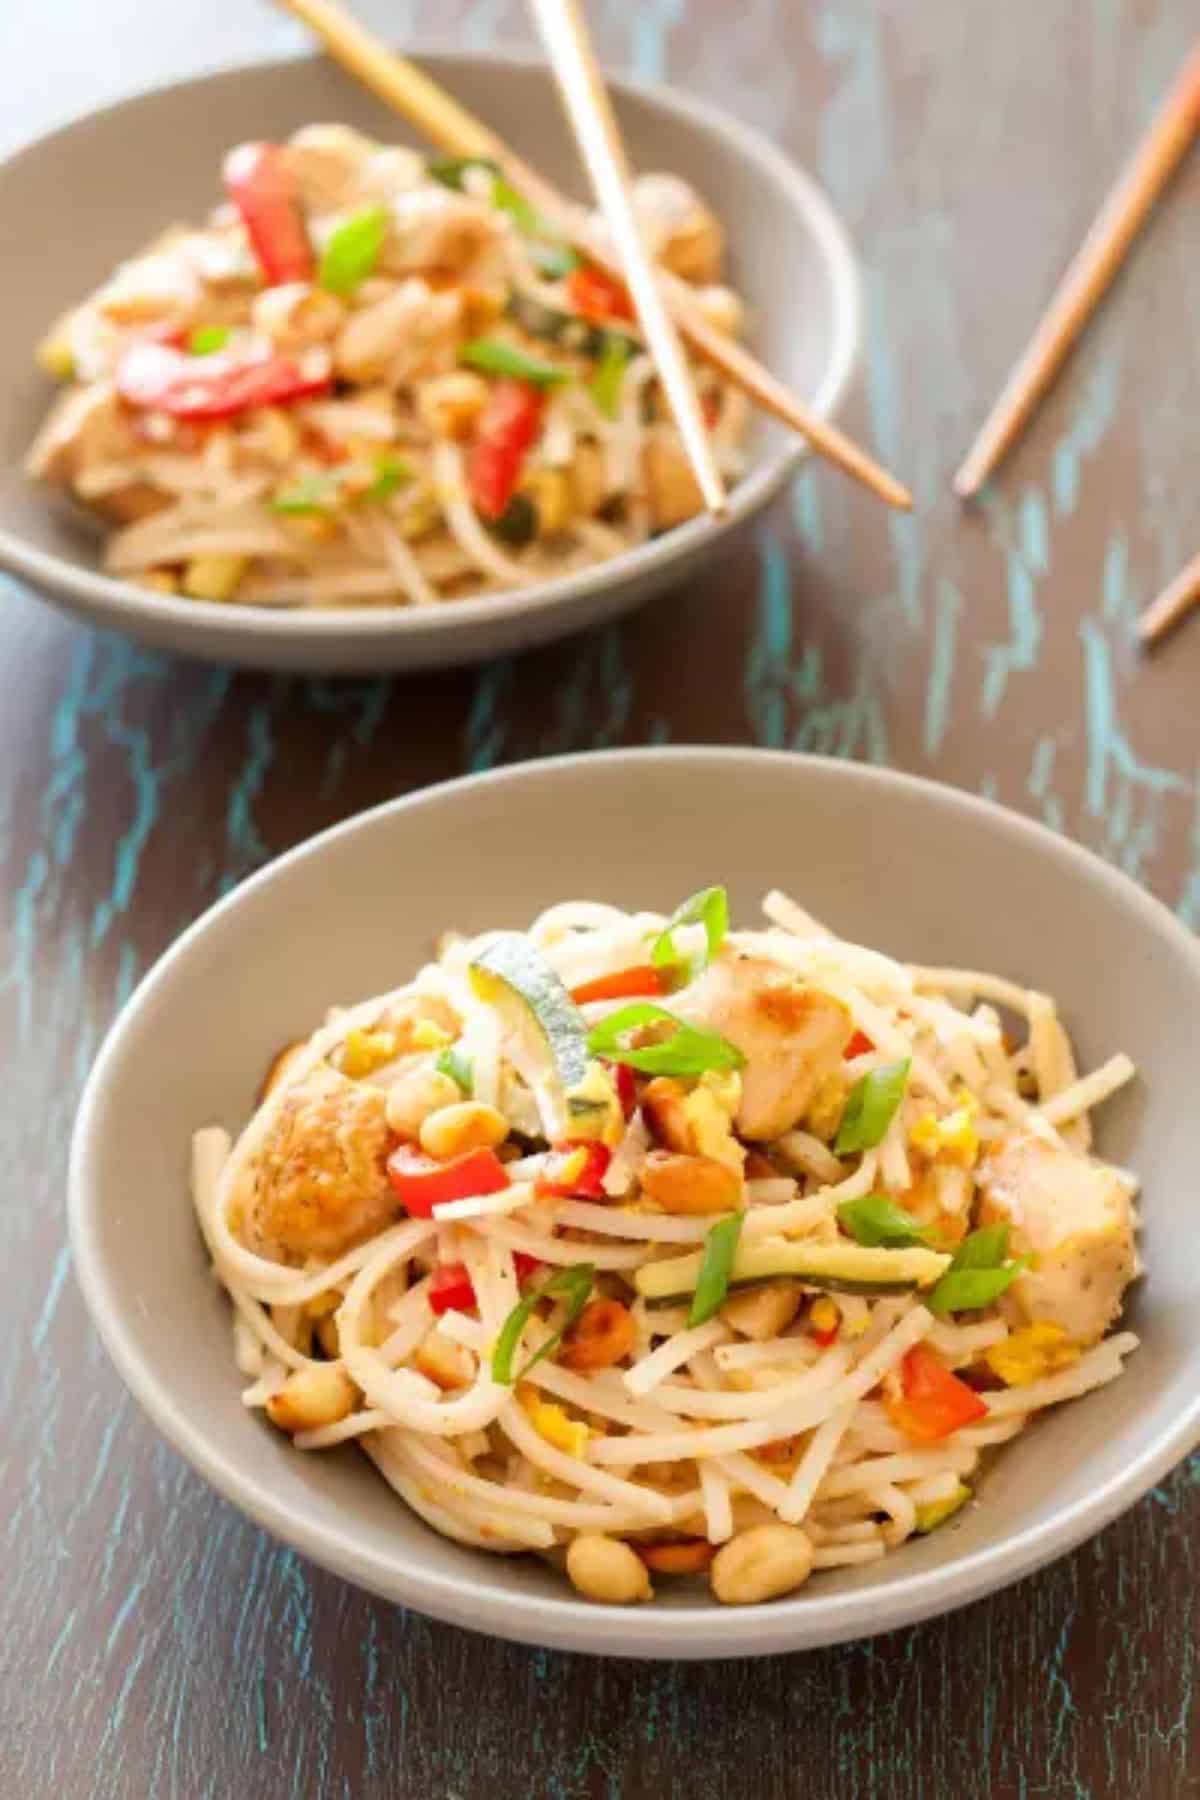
[(919, 870), (140, 165)]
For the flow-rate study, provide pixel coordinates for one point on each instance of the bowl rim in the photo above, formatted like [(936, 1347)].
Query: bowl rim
[(122, 602), (566, 1622)]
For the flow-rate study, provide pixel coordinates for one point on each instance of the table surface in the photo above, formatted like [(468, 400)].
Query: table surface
[(154, 1643)]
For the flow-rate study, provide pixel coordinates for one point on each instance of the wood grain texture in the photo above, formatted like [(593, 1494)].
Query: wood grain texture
[(152, 1643)]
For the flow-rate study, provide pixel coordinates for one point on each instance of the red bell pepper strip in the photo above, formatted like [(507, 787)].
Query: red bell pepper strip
[(859, 1044), (509, 424), (526, 1265), (935, 1401), (451, 1288), (641, 983), (564, 1179), (421, 1183), (598, 296), (626, 1085), (266, 194), (160, 378)]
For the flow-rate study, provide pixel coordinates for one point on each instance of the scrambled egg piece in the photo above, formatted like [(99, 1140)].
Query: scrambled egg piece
[(554, 1424), (710, 1110), (954, 1137), (1028, 1355), (426, 1035), (365, 1051)]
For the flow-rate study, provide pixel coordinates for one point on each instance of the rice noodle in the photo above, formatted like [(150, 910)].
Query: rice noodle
[(667, 1436)]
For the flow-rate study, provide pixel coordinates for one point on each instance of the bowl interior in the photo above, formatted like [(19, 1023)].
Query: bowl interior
[(154, 160), (917, 870)]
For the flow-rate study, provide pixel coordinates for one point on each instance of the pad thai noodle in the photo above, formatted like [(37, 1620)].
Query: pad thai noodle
[(664, 1249), (376, 378)]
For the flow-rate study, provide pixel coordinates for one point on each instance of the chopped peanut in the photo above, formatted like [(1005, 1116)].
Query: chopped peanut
[(690, 1184), (603, 1334), (466, 1125), (313, 1397)]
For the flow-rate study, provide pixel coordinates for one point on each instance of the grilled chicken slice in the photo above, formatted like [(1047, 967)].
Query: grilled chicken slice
[(792, 1037), (1076, 1218)]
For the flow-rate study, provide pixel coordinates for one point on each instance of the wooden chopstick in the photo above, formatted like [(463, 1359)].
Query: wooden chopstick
[(1084, 284), (1172, 604), (589, 110), (408, 90)]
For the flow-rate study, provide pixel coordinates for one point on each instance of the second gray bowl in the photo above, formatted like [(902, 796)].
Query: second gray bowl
[(140, 165)]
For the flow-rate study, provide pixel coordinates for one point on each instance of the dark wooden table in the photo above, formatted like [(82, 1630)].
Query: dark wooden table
[(153, 1643)]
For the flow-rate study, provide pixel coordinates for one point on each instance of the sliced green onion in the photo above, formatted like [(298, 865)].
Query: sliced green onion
[(390, 473), (317, 493), (554, 261), (518, 523), (313, 495), (686, 1052), (710, 908), (712, 1283), (449, 170), (979, 1273), (875, 1220), (494, 357), (575, 1284), (458, 1067), (506, 199), (204, 340), (605, 385), (353, 251), (871, 1107)]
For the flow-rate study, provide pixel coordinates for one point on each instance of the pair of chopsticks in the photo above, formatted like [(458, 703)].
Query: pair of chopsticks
[(665, 307), (1083, 286)]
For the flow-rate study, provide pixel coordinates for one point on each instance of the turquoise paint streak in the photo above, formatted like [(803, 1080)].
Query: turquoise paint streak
[(1099, 390), (1023, 538), (768, 656), (245, 843), (486, 732), (1108, 748)]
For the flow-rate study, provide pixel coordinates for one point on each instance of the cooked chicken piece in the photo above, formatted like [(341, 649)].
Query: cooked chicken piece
[(327, 162), (409, 335), (791, 1036), (296, 315), (162, 287), (682, 231), (437, 229), (1077, 1219), (671, 487), (86, 426), (317, 1184)]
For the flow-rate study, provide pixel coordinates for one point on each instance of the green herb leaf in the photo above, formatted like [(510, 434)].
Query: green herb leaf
[(353, 250), (518, 523), (605, 386), (871, 1107), (554, 261), (710, 908), (458, 1067), (575, 1284), (978, 1274), (712, 1283), (686, 1052), (494, 357), (204, 340), (875, 1220)]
